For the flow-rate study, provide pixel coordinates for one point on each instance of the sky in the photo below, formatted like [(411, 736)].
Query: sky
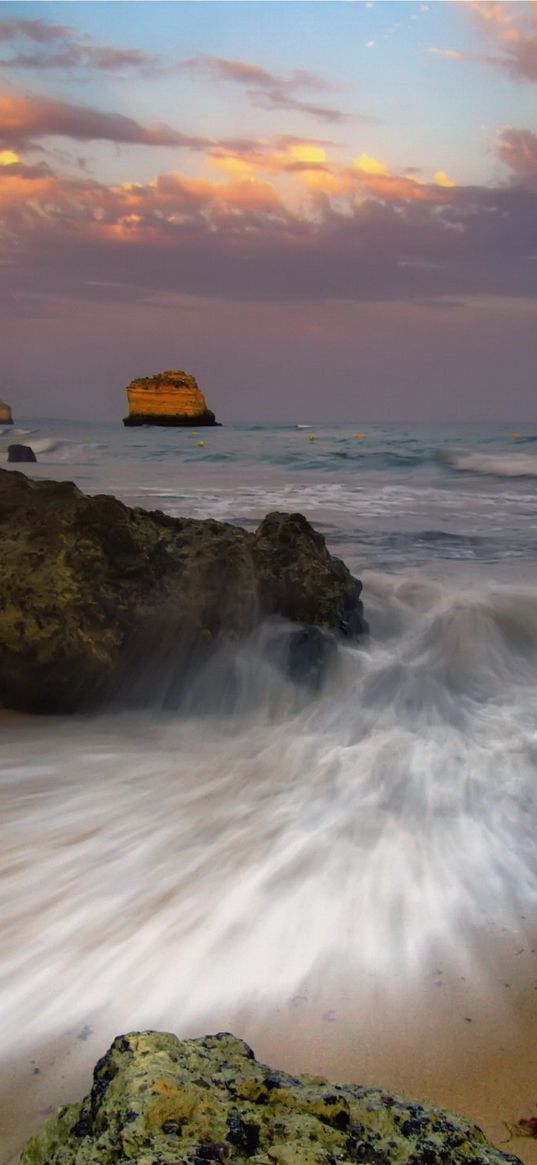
[(322, 210)]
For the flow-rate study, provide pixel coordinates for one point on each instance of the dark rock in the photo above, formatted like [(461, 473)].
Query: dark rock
[(309, 652), (156, 1110), (201, 420), (20, 453), (93, 593), (302, 653), (299, 578), (244, 1134)]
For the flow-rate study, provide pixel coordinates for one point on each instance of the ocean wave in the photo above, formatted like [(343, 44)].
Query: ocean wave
[(494, 464), (257, 838), (476, 641), (54, 449)]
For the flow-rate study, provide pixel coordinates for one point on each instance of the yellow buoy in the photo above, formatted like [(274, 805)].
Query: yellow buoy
[(194, 433), (359, 436), (201, 444), (311, 437), (515, 435)]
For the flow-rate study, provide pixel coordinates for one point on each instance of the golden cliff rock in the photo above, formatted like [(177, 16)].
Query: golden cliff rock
[(5, 414), (169, 398)]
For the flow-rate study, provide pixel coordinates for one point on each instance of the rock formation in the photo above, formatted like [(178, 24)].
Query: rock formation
[(20, 453), (156, 1100), (5, 414), (169, 398), (93, 593)]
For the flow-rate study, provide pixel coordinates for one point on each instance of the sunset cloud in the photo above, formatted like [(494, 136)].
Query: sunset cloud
[(38, 31), (375, 236), (280, 99), (368, 165), (443, 179), (280, 209), (270, 90), (513, 27), (244, 73), (450, 54), (278, 155), (299, 200), (517, 148), (58, 47), (309, 164), (29, 118)]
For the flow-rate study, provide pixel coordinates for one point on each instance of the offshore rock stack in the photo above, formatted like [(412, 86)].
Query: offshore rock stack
[(169, 398), (5, 414)]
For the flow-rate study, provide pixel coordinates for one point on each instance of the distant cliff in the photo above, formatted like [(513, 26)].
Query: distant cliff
[(5, 414), (169, 398)]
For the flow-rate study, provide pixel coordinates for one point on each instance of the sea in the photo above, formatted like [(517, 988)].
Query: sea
[(197, 868)]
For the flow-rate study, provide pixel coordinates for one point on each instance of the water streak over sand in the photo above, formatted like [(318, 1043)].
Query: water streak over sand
[(281, 862)]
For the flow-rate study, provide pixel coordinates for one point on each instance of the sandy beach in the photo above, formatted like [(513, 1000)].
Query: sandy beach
[(450, 1042)]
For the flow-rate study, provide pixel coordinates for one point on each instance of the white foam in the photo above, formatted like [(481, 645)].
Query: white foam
[(170, 863), (497, 464)]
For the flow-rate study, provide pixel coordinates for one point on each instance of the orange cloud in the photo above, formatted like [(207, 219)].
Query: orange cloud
[(374, 236), (400, 188), (307, 152), (368, 165), (287, 157), (231, 164), (307, 162), (492, 12), (513, 27), (451, 54), (443, 179)]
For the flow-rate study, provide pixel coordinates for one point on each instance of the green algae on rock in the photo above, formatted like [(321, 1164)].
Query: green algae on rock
[(157, 1100)]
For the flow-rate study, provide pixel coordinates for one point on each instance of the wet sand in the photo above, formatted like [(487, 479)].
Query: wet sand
[(466, 1046)]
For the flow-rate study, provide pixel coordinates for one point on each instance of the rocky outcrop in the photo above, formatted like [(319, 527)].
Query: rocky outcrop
[(160, 1101), (20, 453), (169, 398), (93, 593), (5, 414)]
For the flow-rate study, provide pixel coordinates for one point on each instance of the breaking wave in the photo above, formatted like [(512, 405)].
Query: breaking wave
[(54, 449), (260, 836), (495, 464)]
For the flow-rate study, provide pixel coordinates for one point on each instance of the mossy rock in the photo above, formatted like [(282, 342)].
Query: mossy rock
[(93, 593), (157, 1100)]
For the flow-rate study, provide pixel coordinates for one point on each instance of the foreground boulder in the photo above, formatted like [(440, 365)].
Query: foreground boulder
[(160, 1101), (169, 398), (93, 593)]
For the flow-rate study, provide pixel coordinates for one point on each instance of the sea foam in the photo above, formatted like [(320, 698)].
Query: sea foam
[(166, 863)]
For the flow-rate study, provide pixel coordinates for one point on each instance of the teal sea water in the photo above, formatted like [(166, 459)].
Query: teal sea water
[(182, 868), (387, 498)]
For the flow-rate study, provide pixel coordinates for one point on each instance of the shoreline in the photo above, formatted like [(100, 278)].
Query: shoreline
[(446, 1041), (462, 1037)]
